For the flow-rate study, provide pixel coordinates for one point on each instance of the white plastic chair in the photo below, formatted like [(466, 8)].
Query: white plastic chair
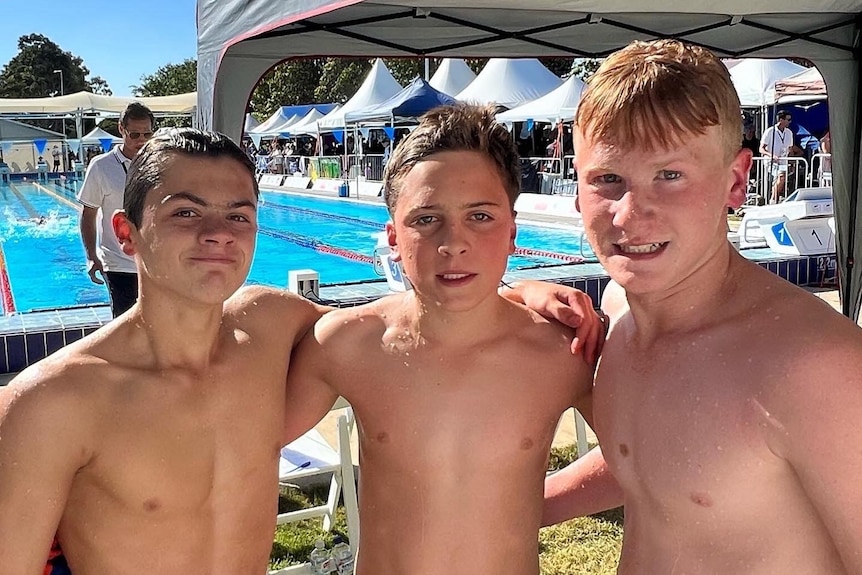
[(312, 455)]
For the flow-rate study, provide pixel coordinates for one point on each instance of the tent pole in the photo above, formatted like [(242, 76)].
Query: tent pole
[(848, 307)]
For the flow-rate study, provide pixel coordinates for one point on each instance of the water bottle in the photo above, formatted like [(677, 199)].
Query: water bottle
[(343, 556), (320, 559)]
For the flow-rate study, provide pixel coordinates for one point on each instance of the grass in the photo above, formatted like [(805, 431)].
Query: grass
[(583, 546)]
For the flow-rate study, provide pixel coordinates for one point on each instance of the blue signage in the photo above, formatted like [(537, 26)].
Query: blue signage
[(781, 235)]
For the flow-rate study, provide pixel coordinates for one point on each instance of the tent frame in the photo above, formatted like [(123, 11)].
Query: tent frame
[(237, 44)]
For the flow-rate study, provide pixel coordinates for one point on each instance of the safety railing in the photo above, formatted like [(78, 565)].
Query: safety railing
[(767, 171)]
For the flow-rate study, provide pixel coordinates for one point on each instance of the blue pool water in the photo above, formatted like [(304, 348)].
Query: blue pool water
[(45, 261)]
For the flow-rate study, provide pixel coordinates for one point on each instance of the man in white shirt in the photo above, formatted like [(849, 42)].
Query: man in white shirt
[(102, 195), (776, 143)]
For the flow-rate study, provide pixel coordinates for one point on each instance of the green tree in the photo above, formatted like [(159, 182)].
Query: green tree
[(31, 72), (405, 70), (341, 78), (289, 83), (562, 67), (99, 86), (583, 68), (169, 80)]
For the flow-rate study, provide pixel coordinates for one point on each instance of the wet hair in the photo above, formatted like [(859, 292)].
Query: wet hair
[(652, 95), (137, 111), (153, 159), (457, 127)]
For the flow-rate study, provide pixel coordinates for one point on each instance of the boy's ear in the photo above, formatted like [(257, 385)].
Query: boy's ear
[(513, 234), (740, 167), (123, 230), (392, 240)]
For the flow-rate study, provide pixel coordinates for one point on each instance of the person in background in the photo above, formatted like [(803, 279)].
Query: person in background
[(826, 148), (102, 195), (776, 143), (56, 154)]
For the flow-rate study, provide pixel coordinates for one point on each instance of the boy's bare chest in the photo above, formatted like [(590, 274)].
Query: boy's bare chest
[(679, 424), (171, 446), (446, 406)]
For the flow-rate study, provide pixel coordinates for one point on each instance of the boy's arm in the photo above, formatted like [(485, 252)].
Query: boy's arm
[(568, 306), (819, 433), (308, 396), (584, 487), (42, 446)]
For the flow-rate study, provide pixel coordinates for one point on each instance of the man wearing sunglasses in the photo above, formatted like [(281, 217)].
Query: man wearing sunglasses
[(102, 195)]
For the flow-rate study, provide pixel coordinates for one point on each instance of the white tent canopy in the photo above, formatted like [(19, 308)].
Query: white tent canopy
[(510, 82), (559, 104), (754, 79), (278, 118), (308, 123), (237, 44), (452, 76), (378, 86), (87, 102), (250, 123), (97, 135)]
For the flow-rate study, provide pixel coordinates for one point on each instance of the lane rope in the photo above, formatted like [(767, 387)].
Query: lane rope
[(368, 223)]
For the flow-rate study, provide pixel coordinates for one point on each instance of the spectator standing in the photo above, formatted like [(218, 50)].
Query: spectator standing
[(776, 143), (102, 195)]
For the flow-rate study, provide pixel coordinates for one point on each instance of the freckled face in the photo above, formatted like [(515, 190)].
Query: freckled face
[(653, 218), (453, 228)]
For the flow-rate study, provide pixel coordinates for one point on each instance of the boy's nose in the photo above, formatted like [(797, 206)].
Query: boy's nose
[(216, 229), (453, 242), (631, 208)]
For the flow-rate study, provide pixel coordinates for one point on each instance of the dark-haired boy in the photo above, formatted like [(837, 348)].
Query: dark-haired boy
[(456, 390)]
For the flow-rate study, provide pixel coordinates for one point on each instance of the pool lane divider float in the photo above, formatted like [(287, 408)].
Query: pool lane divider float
[(316, 245), (59, 197), (378, 226), (32, 213), (6, 297)]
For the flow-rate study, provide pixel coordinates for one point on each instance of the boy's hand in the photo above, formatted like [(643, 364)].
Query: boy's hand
[(568, 306)]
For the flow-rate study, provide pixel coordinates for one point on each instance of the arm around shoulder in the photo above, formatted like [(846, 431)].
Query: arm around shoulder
[(309, 394), (584, 487), (822, 441), (44, 431)]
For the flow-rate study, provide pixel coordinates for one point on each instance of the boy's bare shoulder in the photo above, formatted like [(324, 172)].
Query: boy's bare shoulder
[(70, 384), (263, 308), (359, 322), (532, 329)]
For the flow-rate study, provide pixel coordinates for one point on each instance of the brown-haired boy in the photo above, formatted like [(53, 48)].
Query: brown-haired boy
[(457, 391), (726, 400)]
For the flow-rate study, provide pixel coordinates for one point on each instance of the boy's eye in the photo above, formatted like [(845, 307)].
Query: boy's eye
[(482, 217), (185, 213), (670, 175), (425, 220), (608, 179), (239, 218)]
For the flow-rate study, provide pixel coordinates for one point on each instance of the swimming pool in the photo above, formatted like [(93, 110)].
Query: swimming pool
[(42, 260)]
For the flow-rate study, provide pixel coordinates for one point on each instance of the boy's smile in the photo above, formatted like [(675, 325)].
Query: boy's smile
[(198, 229), (637, 204)]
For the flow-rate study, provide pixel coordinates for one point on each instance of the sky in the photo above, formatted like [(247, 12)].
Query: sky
[(119, 40)]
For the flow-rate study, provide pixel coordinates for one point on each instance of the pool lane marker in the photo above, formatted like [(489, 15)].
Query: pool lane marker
[(63, 199), (368, 223), (316, 245), (6, 297), (28, 207)]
